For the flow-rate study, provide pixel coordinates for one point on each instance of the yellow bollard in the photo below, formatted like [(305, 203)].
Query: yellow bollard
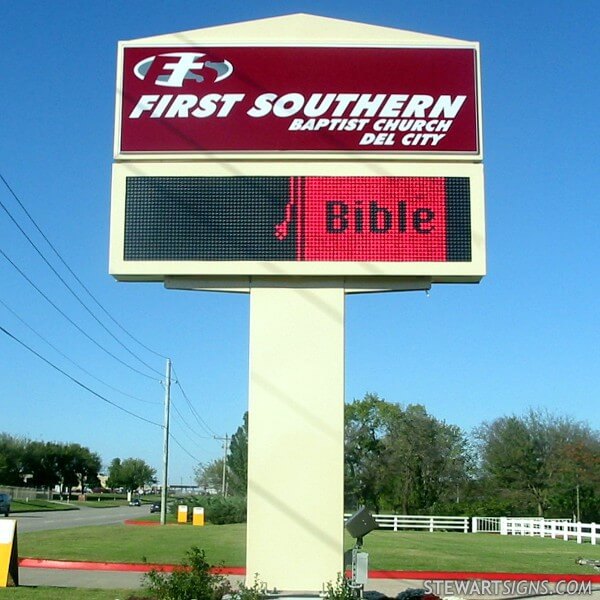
[(198, 516), (9, 567), (182, 513)]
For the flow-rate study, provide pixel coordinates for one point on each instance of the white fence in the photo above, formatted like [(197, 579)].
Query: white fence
[(485, 524), (540, 527), (398, 522), (552, 528)]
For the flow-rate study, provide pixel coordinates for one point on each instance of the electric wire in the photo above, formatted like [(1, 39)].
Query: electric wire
[(89, 337), (190, 439), (201, 437), (66, 357), (76, 381), (198, 418), (184, 449), (193, 440), (69, 269)]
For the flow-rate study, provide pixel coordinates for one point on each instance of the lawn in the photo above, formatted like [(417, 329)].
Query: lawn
[(225, 545), (18, 506)]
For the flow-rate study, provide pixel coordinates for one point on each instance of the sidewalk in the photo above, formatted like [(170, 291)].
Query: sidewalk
[(133, 580), (387, 587)]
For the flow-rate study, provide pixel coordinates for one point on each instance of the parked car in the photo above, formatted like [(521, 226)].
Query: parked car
[(155, 507), (135, 502), (5, 504)]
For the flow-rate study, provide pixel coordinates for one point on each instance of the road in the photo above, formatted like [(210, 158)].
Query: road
[(39, 521)]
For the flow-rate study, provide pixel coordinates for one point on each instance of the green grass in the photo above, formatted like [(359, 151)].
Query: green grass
[(18, 506), (225, 544), (56, 593), (103, 504), (422, 551)]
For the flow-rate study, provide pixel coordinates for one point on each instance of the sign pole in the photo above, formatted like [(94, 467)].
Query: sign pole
[(296, 434)]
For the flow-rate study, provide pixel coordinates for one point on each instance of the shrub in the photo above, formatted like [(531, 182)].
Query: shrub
[(226, 510), (217, 509), (192, 579), (340, 590)]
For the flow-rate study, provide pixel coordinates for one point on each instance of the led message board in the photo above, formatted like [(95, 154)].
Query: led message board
[(202, 98), (189, 221)]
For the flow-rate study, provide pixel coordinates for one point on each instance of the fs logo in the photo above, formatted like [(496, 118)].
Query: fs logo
[(185, 65)]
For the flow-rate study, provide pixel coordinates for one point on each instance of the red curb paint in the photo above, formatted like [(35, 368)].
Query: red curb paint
[(134, 522), (459, 575), (41, 563)]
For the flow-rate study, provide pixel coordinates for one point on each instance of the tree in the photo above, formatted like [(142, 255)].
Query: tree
[(577, 490), (534, 454), (367, 423), (42, 462), (131, 474), (237, 460), (424, 460), (12, 454), (209, 476), (80, 467)]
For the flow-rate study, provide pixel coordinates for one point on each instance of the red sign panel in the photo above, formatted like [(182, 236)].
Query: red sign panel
[(333, 99)]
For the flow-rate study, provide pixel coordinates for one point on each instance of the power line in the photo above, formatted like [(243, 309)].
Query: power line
[(89, 337), (66, 265), (66, 357), (186, 451), (76, 381), (202, 437), (198, 418)]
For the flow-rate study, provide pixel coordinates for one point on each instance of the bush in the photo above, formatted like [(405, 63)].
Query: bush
[(226, 510), (340, 590), (217, 509), (192, 579)]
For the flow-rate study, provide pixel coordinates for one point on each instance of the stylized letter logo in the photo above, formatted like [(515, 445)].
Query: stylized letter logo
[(186, 67)]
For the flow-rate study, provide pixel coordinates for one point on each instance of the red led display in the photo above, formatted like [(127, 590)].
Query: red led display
[(370, 218), (244, 218)]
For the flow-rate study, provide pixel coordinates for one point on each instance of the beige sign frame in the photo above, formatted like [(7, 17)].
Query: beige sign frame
[(438, 272)]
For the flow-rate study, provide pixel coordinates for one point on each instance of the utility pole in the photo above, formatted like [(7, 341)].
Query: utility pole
[(225, 449), (165, 482)]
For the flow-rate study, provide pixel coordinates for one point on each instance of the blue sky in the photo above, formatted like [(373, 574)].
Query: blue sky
[(527, 336)]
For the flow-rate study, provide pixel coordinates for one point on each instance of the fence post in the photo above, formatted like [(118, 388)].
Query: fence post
[(466, 525), (430, 524), (474, 524), (395, 522), (543, 528), (565, 527), (503, 526), (553, 530), (593, 534), (579, 537)]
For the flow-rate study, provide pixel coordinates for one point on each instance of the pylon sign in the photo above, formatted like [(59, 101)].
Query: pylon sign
[(298, 159), (340, 149)]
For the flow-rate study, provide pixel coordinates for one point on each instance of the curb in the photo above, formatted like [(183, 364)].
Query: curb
[(41, 563), (72, 565), (143, 523)]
